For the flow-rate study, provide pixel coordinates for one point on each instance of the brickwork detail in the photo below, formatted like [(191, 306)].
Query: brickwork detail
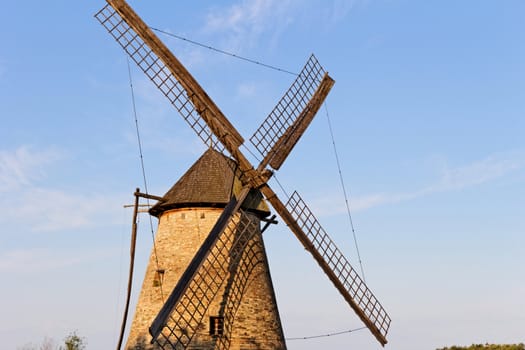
[(246, 301)]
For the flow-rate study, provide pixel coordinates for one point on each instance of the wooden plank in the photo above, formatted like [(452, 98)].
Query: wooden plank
[(229, 211), (308, 245), (288, 140), (131, 267), (212, 115)]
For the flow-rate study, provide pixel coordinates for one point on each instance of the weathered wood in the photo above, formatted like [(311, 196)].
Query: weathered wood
[(131, 267), (308, 245), (288, 140), (229, 211), (148, 196), (204, 105), (251, 178)]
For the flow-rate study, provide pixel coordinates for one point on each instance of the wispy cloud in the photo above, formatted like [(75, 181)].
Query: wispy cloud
[(478, 172), (450, 179), (39, 260), (23, 165), (340, 9), (46, 210), (244, 23), (41, 208)]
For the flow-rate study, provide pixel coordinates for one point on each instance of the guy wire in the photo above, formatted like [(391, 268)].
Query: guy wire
[(223, 52), (143, 169), (327, 335), (344, 192)]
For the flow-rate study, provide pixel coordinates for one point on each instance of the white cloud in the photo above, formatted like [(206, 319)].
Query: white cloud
[(340, 9), (248, 19), (451, 179), (22, 166), (34, 260), (374, 200), (245, 21), (45, 210), (39, 260), (40, 208), (478, 172)]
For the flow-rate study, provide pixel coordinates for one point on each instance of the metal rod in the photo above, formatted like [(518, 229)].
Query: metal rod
[(268, 222)]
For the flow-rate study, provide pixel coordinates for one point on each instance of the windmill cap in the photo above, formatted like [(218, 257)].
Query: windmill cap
[(210, 182)]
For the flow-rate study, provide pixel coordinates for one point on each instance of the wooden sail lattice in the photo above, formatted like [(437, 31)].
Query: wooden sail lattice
[(186, 316), (289, 107), (361, 298), (252, 257), (180, 319), (157, 72)]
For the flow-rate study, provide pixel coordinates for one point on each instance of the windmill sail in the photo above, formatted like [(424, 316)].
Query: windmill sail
[(169, 75), (180, 318), (344, 277), (236, 287), (292, 114), (220, 254)]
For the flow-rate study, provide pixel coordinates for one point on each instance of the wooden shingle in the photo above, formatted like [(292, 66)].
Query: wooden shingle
[(210, 182)]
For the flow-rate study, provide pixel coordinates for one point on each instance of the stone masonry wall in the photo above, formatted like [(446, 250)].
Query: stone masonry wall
[(256, 320)]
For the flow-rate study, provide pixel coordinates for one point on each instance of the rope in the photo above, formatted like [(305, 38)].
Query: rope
[(344, 192), (143, 170), (223, 52), (327, 335)]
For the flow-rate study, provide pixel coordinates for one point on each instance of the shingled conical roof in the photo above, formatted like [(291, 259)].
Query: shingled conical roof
[(210, 182)]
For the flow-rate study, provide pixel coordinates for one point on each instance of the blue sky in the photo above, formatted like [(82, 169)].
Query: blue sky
[(427, 112)]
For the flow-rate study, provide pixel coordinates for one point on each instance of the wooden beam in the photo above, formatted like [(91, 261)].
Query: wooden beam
[(208, 110), (288, 140), (198, 259), (308, 245)]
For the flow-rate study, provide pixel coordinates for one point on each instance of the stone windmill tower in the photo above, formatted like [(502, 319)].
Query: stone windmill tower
[(209, 245), (186, 215)]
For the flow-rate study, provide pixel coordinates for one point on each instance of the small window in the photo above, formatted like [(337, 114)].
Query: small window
[(203, 215), (216, 325), (183, 215), (158, 278)]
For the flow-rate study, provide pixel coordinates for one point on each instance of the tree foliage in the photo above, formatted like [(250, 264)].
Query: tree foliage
[(520, 346), (71, 342)]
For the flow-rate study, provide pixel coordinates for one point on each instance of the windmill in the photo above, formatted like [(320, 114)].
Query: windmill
[(204, 309)]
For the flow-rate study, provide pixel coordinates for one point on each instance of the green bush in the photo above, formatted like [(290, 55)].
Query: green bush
[(520, 346), (73, 342)]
